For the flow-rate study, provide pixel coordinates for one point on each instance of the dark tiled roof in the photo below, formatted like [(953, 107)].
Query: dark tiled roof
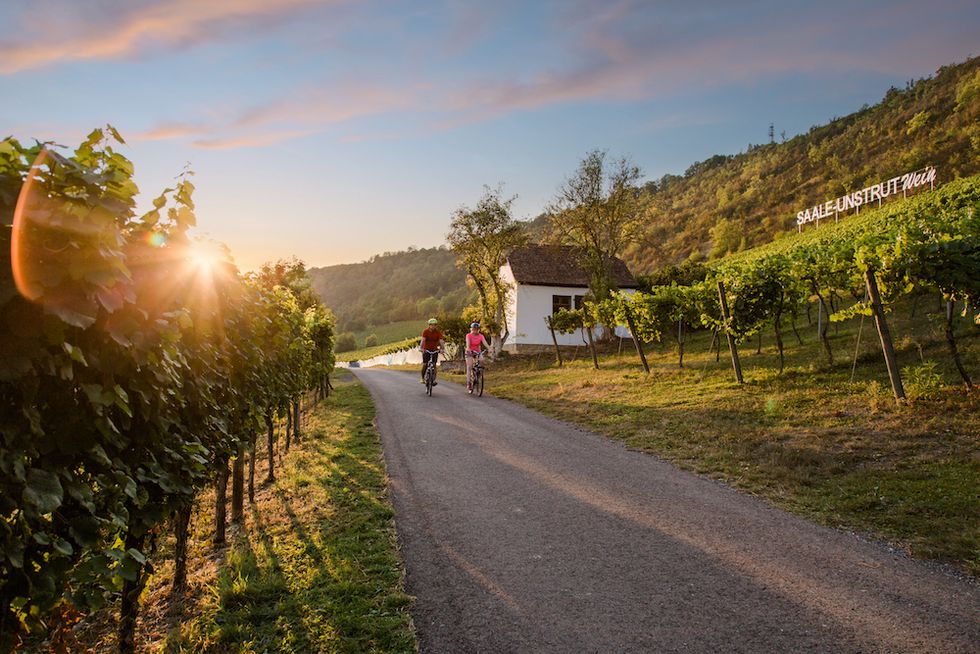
[(557, 265)]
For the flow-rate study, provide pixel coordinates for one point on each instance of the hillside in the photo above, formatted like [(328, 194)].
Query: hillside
[(391, 287), (727, 203), (723, 204)]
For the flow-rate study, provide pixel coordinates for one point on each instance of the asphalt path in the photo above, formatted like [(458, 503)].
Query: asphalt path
[(521, 533)]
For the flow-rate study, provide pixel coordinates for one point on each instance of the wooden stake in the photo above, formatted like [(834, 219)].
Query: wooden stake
[(886, 338), (736, 364)]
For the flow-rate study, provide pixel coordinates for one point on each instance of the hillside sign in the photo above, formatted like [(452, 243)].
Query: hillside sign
[(879, 192)]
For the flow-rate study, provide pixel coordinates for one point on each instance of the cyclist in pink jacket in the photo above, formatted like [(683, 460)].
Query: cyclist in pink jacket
[(476, 342)]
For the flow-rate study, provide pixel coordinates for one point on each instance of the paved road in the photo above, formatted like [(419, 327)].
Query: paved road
[(524, 534)]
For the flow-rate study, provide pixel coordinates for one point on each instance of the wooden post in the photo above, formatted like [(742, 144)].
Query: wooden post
[(238, 487), (554, 339), (636, 341), (736, 364), (595, 359), (220, 500), (297, 420), (886, 338)]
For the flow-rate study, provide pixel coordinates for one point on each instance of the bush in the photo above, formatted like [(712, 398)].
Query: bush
[(345, 343), (371, 340)]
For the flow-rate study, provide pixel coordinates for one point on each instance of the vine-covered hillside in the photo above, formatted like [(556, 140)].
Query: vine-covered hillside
[(727, 203)]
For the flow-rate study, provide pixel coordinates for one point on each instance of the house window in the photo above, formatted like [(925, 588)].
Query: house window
[(559, 302), (579, 301)]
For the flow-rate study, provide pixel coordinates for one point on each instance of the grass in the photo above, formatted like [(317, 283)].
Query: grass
[(392, 332), (810, 440), (313, 569), (369, 352)]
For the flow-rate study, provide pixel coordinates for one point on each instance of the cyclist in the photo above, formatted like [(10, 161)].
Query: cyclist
[(475, 343), (433, 342)]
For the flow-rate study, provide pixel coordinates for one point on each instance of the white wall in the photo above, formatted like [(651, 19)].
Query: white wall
[(531, 304)]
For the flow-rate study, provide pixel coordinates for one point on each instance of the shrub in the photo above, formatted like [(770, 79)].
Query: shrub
[(345, 343)]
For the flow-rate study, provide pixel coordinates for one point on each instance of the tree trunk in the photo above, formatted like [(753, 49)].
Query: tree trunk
[(732, 346), (779, 344), (251, 474), (270, 440), (758, 347), (129, 602), (220, 504), (951, 341), (297, 420), (824, 319), (238, 487), (182, 521), (799, 339), (499, 317), (884, 336), (680, 343)]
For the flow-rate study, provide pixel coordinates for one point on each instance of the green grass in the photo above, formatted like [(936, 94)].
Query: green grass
[(369, 352), (392, 332), (313, 569), (810, 440), (316, 567)]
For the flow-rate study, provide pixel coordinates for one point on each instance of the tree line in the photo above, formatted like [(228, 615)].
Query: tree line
[(137, 367)]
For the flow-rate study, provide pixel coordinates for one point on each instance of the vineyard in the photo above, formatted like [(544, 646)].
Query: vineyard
[(859, 266), (137, 367)]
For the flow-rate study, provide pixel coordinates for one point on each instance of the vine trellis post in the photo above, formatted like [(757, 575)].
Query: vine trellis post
[(885, 336), (732, 346)]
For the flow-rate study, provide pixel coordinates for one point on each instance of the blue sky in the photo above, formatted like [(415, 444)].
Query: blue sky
[(335, 130)]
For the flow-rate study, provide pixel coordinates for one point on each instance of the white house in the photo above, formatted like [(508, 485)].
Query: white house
[(542, 280)]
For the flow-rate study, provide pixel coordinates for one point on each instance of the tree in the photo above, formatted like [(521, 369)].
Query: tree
[(598, 211), (481, 238)]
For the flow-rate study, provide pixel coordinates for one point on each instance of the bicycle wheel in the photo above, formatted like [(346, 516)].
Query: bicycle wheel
[(478, 384), (429, 378)]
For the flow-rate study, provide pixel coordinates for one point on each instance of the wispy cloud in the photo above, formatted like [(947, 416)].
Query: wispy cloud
[(616, 52), (168, 131), (101, 32), (251, 139)]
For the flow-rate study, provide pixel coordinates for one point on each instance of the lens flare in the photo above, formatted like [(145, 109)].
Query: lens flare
[(156, 239), (21, 246)]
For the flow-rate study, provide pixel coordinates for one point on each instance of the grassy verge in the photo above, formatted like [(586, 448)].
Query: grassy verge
[(369, 352), (314, 568), (392, 332), (810, 440)]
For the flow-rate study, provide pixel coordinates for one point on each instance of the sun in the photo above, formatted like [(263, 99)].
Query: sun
[(204, 257)]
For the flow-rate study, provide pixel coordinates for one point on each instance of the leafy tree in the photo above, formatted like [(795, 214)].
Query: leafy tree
[(481, 238), (598, 211)]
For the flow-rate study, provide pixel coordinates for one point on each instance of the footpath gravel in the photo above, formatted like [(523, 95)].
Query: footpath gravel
[(521, 533)]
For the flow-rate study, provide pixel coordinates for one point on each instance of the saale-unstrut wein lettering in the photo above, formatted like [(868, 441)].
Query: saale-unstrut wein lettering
[(879, 192)]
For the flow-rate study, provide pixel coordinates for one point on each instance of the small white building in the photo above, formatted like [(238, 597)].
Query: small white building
[(542, 280)]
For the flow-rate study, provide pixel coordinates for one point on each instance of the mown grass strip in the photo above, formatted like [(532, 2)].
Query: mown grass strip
[(313, 569), (810, 440)]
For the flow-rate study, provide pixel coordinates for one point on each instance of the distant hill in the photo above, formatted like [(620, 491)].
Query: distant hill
[(723, 204), (391, 287)]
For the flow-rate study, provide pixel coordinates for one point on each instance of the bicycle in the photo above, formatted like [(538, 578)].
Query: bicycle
[(476, 379), (430, 372)]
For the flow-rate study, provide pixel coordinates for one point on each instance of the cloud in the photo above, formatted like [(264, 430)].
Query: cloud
[(251, 140), (168, 131), (108, 33), (583, 52)]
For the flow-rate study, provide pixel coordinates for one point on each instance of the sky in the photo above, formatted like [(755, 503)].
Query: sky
[(335, 130)]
